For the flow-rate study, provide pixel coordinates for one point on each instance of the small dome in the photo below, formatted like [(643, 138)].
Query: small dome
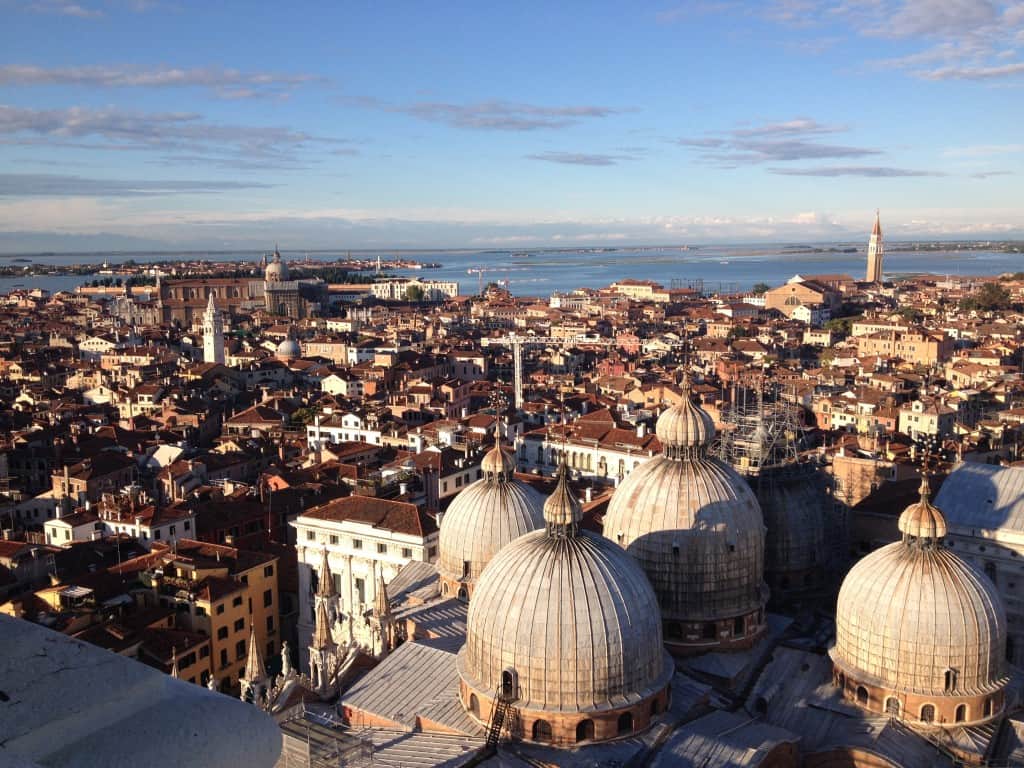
[(498, 461), (482, 519), (277, 270), (684, 428), (921, 520), (794, 516), (918, 624), (561, 507), (288, 349)]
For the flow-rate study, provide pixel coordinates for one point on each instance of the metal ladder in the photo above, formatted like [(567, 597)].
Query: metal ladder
[(499, 714)]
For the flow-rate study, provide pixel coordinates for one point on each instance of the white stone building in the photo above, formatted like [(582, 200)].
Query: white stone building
[(365, 538)]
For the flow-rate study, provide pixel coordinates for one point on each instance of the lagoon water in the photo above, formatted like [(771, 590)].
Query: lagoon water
[(541, 272)]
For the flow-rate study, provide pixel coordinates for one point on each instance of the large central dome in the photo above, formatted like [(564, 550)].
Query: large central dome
[(483, 518), (920, 632), (567, 625), (695, 527)]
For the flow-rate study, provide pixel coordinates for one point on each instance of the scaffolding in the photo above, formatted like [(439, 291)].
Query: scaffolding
[(764, 439)]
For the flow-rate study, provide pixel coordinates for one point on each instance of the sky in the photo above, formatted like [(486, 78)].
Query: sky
[(131, 124)]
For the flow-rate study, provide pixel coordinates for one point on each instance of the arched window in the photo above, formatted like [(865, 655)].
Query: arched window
[(950, 680), (841, 681), (444, 590), (990, 571), (674, 630), (989, 707), (625, 723), (655, 707), (474, 705), (541, 730), (585, 730), (509, 683), (928, 713), (710, 631), (892, 706), (862, 695), (738, 626), (961, 713), (463, 595)]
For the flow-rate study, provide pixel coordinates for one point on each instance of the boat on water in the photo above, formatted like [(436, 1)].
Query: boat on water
[(723, 262)]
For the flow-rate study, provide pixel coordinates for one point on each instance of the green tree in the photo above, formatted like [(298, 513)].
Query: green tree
[(760, 288), (414, 293), (839, 324), (911, 314), (991, 297)]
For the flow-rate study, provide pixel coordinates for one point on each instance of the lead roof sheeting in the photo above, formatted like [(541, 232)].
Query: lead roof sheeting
[(983, 496), (721, 740), (404, 683)]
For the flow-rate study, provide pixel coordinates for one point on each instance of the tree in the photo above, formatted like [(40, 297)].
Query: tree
[(760, 288), (991, 297), (839, 324), (414, 293), (911, 314)]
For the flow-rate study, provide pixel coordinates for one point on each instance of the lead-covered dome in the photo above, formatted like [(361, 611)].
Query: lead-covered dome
[(277, 270), (695, 527), (288, 349), (567, 624), (483, 518), (920, 632)]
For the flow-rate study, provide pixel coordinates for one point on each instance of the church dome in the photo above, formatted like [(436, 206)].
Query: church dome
[(288, 349), (794, 516), (695, 527), (277, 270), (568, 625), (920, 632), (482, 519)]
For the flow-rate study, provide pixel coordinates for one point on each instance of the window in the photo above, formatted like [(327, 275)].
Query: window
[(270, 623), (156, 534), (333, 538), (188, 525), (432, 552), (239, 625), (204, 652), (240, 649), (625, 723), (361, 590), (928, 713), (268, 598), (223, 657), (541, 730), (585, 730), (310, 536), (220, 608), (710, 630), (892, 706), (406, 552), (237, 601), (989, 708), (458, 484), (357, 543), (222, 633), (382, 549), (174, 529), (268, 571), (200, 611), (961, 713), (737, 626), (862, 695)]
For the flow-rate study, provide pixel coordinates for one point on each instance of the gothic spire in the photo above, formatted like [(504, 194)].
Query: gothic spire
[(255, 670), (325, 587)]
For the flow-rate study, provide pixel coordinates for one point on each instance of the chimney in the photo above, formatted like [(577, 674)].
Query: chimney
[(641, 430), (589, 496)]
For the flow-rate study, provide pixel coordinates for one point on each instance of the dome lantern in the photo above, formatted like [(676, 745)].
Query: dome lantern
[(922, 524), (562, 512)]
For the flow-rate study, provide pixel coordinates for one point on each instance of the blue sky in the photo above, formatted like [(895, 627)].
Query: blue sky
[(333, 125)]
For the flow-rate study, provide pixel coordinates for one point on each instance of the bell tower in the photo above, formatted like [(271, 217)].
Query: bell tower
[(875, 253), (213, 334)]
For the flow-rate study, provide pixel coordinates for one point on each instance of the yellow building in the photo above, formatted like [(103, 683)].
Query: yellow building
[(218, 591)]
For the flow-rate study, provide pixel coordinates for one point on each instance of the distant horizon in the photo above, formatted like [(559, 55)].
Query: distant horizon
[(4, 253)]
